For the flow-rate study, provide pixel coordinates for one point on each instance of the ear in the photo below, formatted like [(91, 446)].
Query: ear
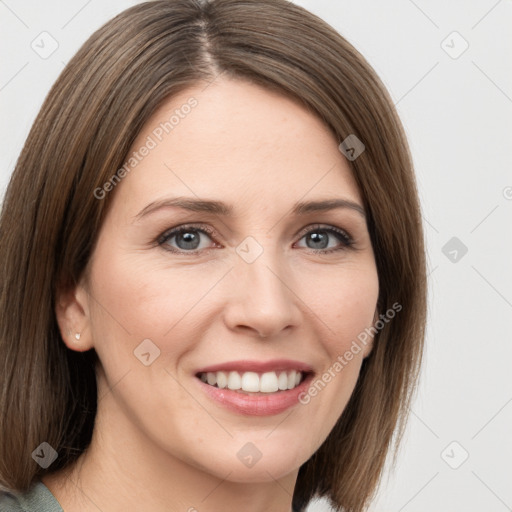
[(72, 312)]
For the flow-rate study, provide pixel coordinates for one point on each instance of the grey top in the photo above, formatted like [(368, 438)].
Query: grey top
[(37, 499)]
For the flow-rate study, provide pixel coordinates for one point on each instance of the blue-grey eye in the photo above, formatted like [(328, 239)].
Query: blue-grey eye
[(186, 239), (320, 239)]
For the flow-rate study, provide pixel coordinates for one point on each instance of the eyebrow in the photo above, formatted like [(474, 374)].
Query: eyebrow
[(223, 209)]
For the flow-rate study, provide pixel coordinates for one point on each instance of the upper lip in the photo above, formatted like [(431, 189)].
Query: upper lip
[(246, 365)]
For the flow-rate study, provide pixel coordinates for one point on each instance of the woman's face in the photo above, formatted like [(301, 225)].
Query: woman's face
[(247, 276)]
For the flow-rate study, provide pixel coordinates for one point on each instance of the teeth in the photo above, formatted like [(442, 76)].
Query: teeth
[(269, 382), (234, 381), (282, 381), (291, 379), (252, 382), (222, 380)]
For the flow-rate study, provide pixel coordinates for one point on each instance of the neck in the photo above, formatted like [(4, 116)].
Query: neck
[(122, 469)]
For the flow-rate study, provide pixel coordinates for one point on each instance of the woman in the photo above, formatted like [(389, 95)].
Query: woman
[(213, 280)]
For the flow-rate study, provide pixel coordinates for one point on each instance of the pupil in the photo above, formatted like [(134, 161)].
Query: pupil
[(190, 240), (320, 239)]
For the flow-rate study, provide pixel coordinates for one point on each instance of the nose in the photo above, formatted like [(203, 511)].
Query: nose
[(261, 300)]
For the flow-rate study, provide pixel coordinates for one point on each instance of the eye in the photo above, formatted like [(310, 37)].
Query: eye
[(327, 239), (186, 239), (192, 239)]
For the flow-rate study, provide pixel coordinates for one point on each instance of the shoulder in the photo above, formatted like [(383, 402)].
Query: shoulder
[(37, 498), (9, 503)]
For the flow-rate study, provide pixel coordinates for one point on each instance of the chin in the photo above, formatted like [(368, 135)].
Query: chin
[(259, 460)]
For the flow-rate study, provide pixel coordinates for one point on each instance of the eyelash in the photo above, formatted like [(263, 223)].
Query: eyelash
[(343, 237)]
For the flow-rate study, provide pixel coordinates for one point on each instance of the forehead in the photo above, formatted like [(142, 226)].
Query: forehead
[(238, 142)]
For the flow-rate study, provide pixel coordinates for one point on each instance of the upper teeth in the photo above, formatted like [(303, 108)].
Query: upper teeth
[(268, 382)]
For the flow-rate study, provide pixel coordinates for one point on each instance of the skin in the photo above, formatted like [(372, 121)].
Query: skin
[(158, 439)]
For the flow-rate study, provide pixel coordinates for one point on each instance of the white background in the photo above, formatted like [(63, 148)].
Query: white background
[(457, 115)]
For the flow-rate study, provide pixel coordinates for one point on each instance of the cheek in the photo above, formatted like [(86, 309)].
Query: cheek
[(345, 305), (344, 302), (146, 299), (137, 299)]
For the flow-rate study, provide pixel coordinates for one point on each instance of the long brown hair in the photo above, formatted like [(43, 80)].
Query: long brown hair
[(51, 218)]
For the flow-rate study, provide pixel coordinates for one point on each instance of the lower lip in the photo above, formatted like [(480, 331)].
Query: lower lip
[(262, 404)]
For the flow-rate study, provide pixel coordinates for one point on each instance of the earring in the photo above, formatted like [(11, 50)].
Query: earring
[(77, 335)]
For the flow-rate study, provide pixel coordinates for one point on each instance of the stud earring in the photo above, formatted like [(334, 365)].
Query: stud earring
[(77, 335)]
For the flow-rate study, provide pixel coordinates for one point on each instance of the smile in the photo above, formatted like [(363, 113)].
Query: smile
[(253, 382), (255, 388)]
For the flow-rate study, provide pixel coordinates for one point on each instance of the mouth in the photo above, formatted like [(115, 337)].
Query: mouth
[(254, 382), (255, 388)]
